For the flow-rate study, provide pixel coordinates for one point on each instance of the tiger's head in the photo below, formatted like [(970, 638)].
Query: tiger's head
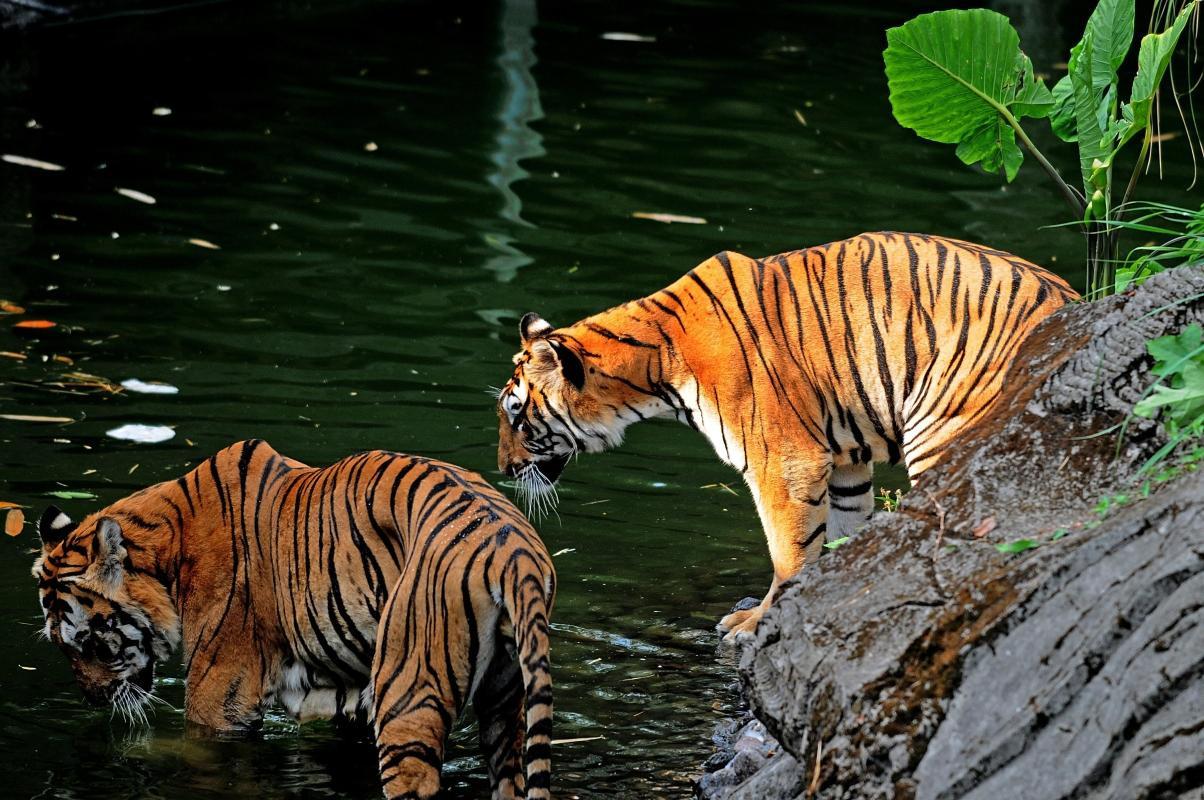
[(558, 403), (112, 622)]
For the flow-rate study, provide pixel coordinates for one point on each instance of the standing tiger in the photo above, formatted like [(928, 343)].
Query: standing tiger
[(385, 587), (801, 369)]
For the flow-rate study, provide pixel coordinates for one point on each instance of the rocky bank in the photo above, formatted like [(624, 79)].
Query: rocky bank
[(918, 661)]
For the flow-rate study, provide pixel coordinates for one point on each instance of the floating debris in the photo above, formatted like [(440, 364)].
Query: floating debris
[(667, 218), (371, 147), (799, 116), (65, 217), (205, 243), (9, 307), (67, 494), (22, 161), (143, 434), (578, 739), (162, 111), (619, 36), (14, 522), (134, 194), (564, 551), (36, 418), (11, 354), (35, 324), (149, 387), (10, 504)]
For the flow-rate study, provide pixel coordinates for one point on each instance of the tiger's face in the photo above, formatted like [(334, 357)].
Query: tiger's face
[(555, 406), (112, 624)]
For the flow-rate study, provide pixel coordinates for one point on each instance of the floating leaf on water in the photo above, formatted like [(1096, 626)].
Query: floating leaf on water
[(564, 551), (1018, 546), (162, 111), (578, 739), (11, 354), (143, 434), (14, 522), (22, 161), (35, 324), (620, 36), (10, 504), (667, 218), (66, 494), (799, 116), (10, 308), (28, 669), (149, 387), (134, 194), (65, 217), (205, 243), (61, 359), (371, 147), (36, 418)]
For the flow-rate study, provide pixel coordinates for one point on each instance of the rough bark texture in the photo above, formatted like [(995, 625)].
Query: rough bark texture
[(917, 661)]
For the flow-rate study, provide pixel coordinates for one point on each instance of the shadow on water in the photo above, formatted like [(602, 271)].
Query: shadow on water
[(337, 259)]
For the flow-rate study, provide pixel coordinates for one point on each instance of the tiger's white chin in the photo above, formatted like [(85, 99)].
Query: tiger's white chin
[(536, 491)]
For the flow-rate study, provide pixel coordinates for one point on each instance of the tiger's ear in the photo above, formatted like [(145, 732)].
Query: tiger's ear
[(110, 552), (554, 354), (53, 527), (532, 327)]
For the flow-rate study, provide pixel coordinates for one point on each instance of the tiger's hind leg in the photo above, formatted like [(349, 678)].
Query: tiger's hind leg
[(499, 705), (417, 691), (850, 498)]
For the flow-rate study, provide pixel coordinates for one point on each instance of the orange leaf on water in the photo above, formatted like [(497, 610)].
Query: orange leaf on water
[(35, 324), (10, 308), (10, 504), (14, 522)]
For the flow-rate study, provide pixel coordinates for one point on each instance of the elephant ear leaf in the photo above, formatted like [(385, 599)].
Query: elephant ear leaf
[(959, 77)]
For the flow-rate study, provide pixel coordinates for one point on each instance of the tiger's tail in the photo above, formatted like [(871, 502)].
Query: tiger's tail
[(528, 604)]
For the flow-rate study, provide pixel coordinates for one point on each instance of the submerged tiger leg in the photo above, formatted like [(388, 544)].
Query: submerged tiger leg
[(850, 498), (792, 502), (499, 705), (417, 691)]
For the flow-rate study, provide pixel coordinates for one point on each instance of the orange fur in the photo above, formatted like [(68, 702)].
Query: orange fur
[(385, 588), (802, 369)]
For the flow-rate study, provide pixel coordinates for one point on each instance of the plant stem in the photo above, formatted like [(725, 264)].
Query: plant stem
[(1145, 149), (1076, 203)]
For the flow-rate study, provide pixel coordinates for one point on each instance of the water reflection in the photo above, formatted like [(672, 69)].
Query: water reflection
[(516, 139)]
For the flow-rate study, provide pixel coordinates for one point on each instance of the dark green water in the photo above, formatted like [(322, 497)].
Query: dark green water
[(367, 298)]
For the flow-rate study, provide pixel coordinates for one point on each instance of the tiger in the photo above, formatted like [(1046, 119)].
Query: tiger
[(802, 370), (387, 589)]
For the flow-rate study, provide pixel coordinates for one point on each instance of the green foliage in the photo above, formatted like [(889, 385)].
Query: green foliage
[(1109, 502), (890, 499), (959, 77), (1017, 546), (1178, 394), (1182, 232), (835, 543)]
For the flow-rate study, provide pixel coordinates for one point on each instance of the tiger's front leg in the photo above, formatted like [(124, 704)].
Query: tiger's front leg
[(792, 501)]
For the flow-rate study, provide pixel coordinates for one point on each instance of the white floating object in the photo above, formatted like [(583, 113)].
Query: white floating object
[(619, 36), (143, 434), (32, 162), (162, 111), (142, 387), (134, 194), (371, 147), (205, 243)]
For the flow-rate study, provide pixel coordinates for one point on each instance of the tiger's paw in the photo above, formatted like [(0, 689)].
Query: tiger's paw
[(739, 613), (740, 626)]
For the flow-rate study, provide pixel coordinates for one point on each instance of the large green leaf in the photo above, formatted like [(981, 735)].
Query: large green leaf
[(1110, 33), (959, 77)]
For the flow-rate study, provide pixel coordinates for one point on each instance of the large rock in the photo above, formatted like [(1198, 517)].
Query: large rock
[(917, 661)]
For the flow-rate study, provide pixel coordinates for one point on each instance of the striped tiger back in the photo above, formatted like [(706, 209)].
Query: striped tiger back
[(385, 588), (801, 369)]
